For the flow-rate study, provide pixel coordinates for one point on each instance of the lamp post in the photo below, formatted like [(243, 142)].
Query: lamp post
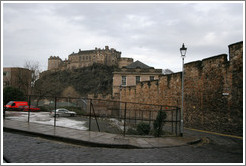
[(183, 52)]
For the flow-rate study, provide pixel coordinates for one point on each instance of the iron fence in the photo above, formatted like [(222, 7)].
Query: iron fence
[(100, 115)]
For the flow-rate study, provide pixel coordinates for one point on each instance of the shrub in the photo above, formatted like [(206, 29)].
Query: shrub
[(46, 109), (158, 123), (143, 128), (131, 131)]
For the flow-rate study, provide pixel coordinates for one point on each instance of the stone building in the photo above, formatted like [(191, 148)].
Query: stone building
[(133, 74), (84, 58), (19, 78)]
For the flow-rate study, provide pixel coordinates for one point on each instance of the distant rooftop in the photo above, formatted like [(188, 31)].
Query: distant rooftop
[(138, 64)]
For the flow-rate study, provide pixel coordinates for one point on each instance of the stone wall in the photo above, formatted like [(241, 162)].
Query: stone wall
[(124, 62), (213, 92), (54, 62), (104, 105)]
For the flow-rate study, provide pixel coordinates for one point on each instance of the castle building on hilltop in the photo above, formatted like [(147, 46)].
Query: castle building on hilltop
[(129, 73), (84, 58)]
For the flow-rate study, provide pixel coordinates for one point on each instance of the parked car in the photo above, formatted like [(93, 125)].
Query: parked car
[(14, 105), (26, 108), (62, 112)]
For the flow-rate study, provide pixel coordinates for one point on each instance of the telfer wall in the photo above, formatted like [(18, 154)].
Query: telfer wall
[(213, 92)]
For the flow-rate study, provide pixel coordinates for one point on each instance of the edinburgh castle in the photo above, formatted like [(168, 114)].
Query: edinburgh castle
[(85, 58)]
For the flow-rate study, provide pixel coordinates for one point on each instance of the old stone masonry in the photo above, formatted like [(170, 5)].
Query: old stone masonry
[(84, 58)]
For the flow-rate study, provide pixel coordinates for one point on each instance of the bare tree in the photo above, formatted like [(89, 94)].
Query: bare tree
[(22, 80), (35, 69)]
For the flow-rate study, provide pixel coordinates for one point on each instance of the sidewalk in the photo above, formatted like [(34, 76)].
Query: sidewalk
[(98, 139)]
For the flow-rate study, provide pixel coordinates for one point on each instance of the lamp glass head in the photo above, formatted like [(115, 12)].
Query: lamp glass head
[(183, 50)]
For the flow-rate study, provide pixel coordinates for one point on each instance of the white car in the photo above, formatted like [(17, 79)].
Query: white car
[(62, 112)]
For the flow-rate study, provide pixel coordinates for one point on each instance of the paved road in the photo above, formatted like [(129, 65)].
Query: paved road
[(26, 149)]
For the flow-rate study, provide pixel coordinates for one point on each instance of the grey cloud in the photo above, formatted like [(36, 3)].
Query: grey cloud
[(152, 31)]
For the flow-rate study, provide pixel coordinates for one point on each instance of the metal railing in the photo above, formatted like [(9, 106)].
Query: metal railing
[(125, 115)]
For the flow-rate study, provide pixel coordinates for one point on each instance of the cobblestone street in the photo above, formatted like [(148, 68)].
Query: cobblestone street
[(19, 148)]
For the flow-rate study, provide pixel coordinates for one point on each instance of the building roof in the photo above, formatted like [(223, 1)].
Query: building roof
[(137, 64)]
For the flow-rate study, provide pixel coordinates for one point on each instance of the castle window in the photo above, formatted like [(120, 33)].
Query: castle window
[(90, 57), (123, 82), (137, 79), (83, 58), (151, 78), (86, 57)]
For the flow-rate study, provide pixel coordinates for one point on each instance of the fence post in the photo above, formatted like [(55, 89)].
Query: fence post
[(172, 121), (176, 124), (129, 118), (4, 111), (142, 115), (90, 116), (149, 117), (55, 114), (95, 117), (29, 101), (181, 124), (125, 120)]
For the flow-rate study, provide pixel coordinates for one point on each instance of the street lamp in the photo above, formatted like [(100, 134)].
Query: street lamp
[(183, 52)]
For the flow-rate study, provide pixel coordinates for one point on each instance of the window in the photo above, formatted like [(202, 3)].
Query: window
[(123, 83), (151, 78), (137, 79)]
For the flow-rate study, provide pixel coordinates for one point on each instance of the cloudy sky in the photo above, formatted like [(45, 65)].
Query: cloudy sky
[(149, 32)]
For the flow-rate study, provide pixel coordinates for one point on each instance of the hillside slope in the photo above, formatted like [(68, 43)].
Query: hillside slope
[(93, 79)]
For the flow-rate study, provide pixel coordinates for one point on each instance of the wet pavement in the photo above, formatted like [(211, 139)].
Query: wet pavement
[(98, 139), (28, 148), (42, 143)]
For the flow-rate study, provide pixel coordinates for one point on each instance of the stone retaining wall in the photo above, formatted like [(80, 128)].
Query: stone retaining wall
[(213, 92)]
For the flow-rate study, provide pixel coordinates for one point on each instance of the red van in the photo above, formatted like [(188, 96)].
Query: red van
[(20, 106), (16, 105)]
